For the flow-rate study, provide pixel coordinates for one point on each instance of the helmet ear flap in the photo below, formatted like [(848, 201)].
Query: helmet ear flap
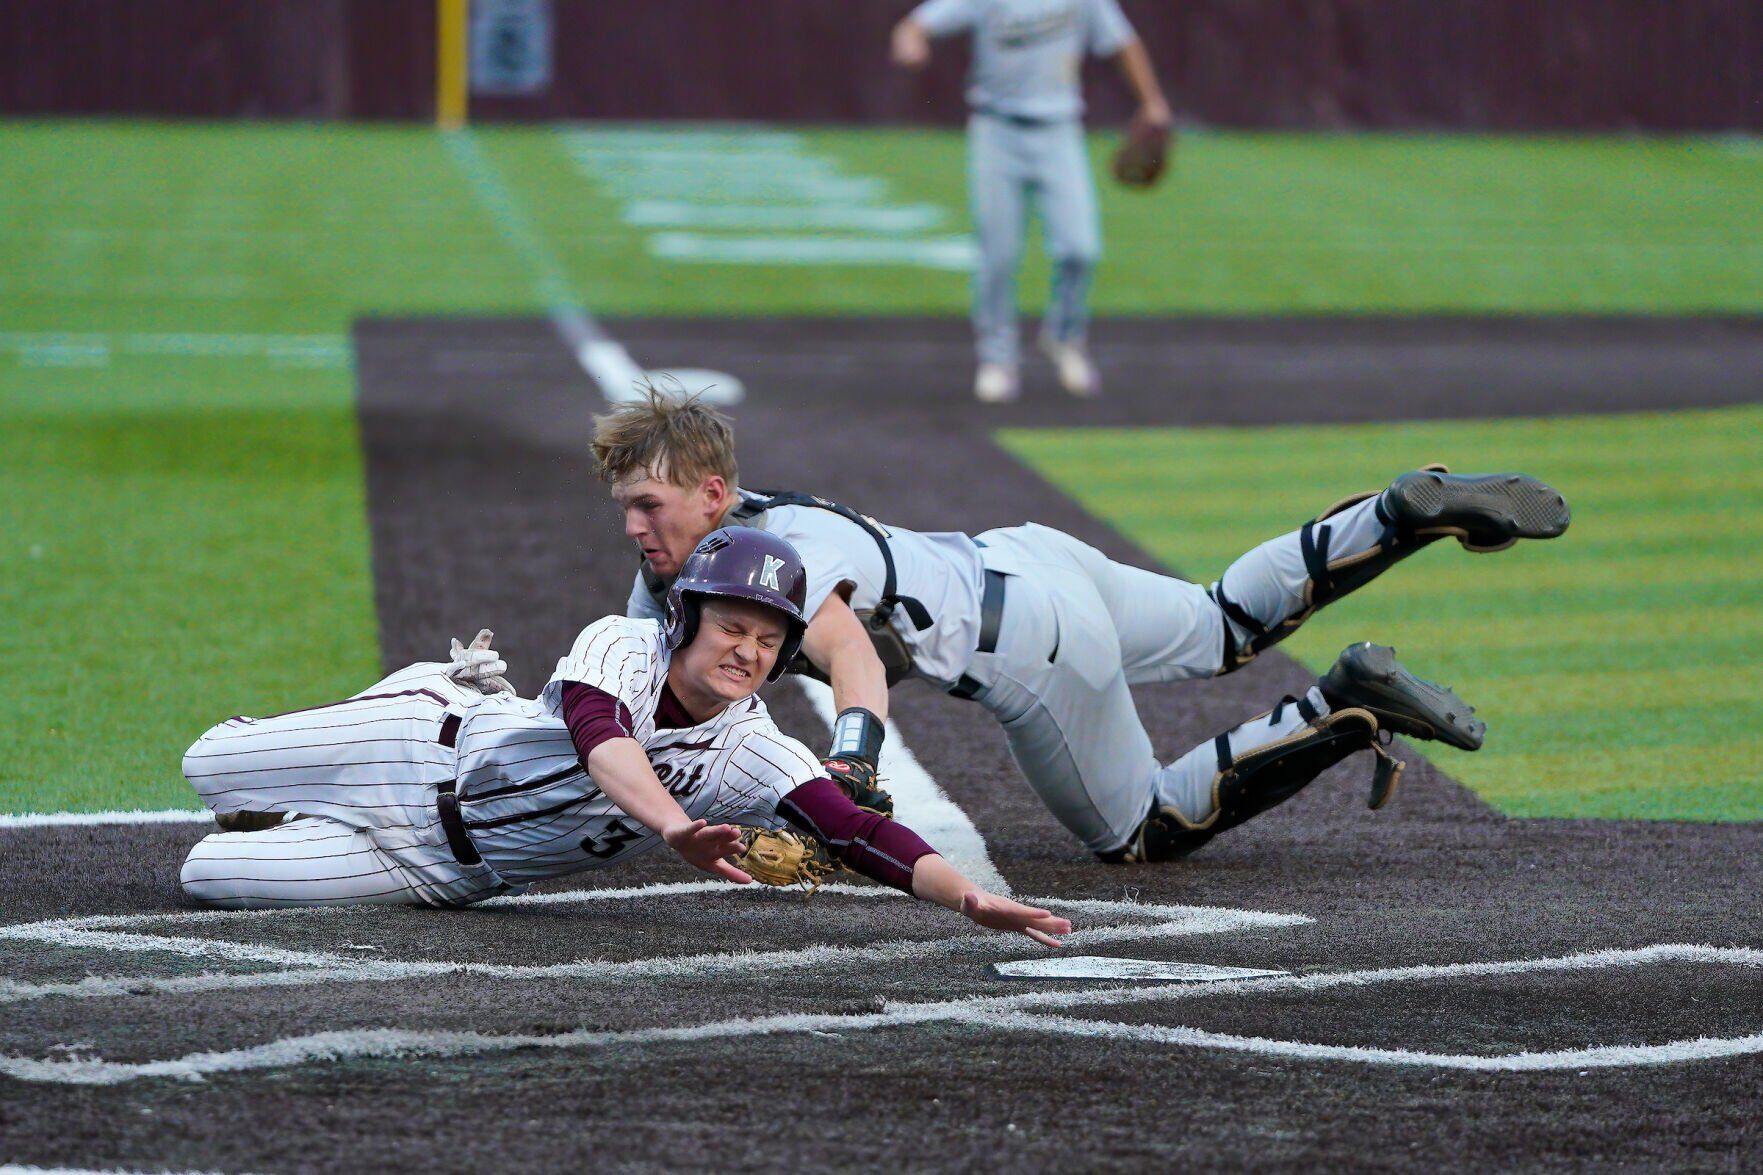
[(786, 652), (682, 618)]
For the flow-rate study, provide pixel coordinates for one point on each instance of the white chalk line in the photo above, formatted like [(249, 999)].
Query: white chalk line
[(310, 967), (605, 360), (15, 1169), (905, 218), (952, 253), (60, 819), (97, 348), (982, 1013), (787, 191)]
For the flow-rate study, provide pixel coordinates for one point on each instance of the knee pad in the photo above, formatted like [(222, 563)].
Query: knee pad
[(1262, 779)]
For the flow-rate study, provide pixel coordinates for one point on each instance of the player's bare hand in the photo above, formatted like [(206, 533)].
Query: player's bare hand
[(996, 913), (477, 666), (705, 845), (910, 48)]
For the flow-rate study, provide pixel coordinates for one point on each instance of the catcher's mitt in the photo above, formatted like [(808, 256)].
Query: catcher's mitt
[(783, 858), (1143, 154), (858, 779)]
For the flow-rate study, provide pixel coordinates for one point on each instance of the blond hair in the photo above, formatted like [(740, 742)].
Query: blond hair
[(671, 436)]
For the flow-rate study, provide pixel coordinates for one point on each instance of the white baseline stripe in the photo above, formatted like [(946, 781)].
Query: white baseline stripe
[(981, 1013), (919, 802)]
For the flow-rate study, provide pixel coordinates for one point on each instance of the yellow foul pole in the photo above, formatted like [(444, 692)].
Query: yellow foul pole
[(450, 68)]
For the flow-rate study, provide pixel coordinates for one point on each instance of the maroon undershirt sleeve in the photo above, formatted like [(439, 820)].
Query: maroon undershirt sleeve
[(873, 845), (593, 716)]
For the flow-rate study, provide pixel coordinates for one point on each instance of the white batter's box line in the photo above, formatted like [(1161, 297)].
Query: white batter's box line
[(1007, 1014), (310, 968), (65, 819)]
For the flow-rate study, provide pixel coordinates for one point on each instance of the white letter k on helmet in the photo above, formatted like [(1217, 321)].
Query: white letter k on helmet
[(768, 575)]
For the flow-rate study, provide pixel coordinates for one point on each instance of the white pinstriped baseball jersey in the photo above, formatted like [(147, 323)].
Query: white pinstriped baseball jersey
[(366, 771), (532, 810)]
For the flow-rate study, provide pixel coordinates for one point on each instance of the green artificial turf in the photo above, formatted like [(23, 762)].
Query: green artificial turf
[(1620, 667), (177, 444)]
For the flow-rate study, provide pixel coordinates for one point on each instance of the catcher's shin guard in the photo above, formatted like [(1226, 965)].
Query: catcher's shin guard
[(1264, 778), (1331, 576), (1482, 511)]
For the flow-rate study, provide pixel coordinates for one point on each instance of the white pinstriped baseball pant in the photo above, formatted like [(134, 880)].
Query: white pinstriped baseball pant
[(363, 775)]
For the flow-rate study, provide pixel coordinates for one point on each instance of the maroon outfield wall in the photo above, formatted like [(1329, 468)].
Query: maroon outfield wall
[(1415, 64)]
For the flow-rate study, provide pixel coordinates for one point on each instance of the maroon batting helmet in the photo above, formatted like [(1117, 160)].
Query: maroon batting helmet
[(740, 563)]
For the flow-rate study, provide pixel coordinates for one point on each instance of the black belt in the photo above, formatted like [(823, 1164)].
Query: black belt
[(991, 615), (1022, 120), (447, 803)]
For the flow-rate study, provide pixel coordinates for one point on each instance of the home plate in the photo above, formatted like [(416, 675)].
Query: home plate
[(1106, 967)]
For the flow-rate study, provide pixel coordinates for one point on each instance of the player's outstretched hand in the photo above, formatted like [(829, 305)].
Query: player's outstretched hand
[(996, 913), (477, 666), (704, 845)]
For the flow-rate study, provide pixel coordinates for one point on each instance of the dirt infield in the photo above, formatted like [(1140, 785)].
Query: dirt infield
[(532, 1026)]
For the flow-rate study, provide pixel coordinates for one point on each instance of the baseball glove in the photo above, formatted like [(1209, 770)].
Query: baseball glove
[(783, 858), (1143, 154), (858, 779)]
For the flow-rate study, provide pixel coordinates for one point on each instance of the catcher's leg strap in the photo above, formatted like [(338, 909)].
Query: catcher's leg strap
[(1265, 598), (1263, 778)]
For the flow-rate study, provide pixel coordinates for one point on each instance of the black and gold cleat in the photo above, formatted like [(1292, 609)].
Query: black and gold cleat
[(1368, 677), (1485, 511)]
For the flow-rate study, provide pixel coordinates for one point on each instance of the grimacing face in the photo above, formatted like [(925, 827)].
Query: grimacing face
[(665, 520), (729, 657)]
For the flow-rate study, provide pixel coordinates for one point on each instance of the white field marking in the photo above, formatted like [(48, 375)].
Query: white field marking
[(308, 967), (96, 349), (918, 801), (56, 819), (697, 140), (903, 218), (1108, 967), (661, 167), (956, 254), (981, 1013), (15, 1169), (1597, 1057), (607, 363), (737, 187)]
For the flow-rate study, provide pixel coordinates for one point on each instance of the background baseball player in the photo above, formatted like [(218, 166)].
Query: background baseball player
[(1025, 140), (1047, 633), (423, 789)]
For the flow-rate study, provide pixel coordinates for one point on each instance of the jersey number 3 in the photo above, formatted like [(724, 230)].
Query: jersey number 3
[(608, 843)]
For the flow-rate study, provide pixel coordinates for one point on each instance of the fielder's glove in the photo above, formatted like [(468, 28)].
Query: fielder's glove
[(1143, 154), (477, 666), (783, 858)]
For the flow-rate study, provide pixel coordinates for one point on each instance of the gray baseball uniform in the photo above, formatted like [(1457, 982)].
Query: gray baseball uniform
[(1067, 632), (1025, 140), (368, 776)]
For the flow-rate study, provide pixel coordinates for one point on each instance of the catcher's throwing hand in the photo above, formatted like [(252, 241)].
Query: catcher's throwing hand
[(477, 666), (705, 845), (996, 913)]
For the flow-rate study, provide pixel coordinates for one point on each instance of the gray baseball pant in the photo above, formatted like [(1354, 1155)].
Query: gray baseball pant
[(1078, 629), (1009, 163)]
